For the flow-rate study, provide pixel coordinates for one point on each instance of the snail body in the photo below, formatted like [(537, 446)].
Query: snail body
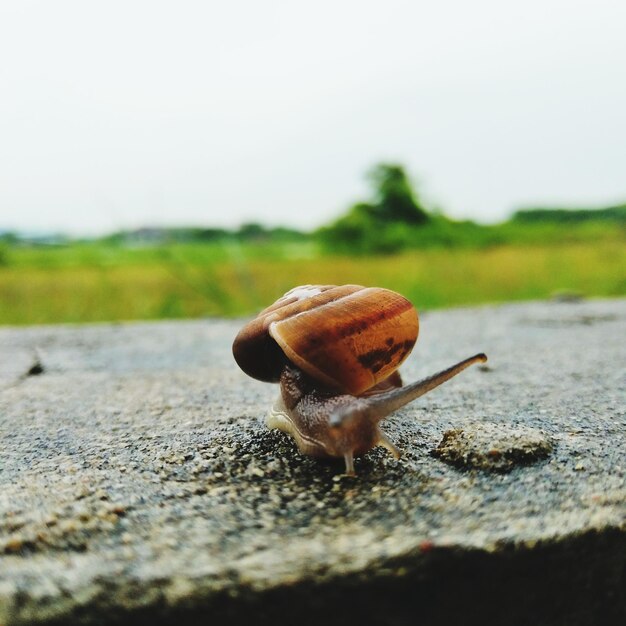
[(335, 351)]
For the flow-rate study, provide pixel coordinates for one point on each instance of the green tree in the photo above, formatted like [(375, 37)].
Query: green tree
[(395, 200), (386, 223)]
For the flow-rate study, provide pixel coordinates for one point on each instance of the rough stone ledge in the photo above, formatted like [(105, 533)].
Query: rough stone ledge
[(137, 480)]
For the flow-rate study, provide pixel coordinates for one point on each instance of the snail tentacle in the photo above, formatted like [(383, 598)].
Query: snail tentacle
[(376, 408), (349, 459), (385, 442)]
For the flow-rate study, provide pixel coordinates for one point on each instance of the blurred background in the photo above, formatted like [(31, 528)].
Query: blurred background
[(192, 158)]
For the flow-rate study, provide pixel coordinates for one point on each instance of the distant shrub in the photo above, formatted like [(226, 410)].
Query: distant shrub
[(612, 214), (212, 234), (253, 231)]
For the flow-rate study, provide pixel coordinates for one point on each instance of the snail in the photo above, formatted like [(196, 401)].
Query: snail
[(336, 350)]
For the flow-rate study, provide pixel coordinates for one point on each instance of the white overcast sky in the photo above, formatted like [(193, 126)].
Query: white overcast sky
[(139, 112)]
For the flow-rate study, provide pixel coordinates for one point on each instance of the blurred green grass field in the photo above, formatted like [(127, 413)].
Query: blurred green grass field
[(100, 282)]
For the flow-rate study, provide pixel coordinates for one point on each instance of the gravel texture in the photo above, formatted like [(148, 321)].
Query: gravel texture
[(137, 480)]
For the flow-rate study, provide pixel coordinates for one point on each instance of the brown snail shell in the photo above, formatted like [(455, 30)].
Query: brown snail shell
[(348, 338)]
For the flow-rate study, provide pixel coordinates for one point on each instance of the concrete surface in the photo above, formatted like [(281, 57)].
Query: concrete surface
[(137, 479)]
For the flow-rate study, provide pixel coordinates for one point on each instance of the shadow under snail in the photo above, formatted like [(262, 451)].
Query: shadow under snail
[(335, 350)]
